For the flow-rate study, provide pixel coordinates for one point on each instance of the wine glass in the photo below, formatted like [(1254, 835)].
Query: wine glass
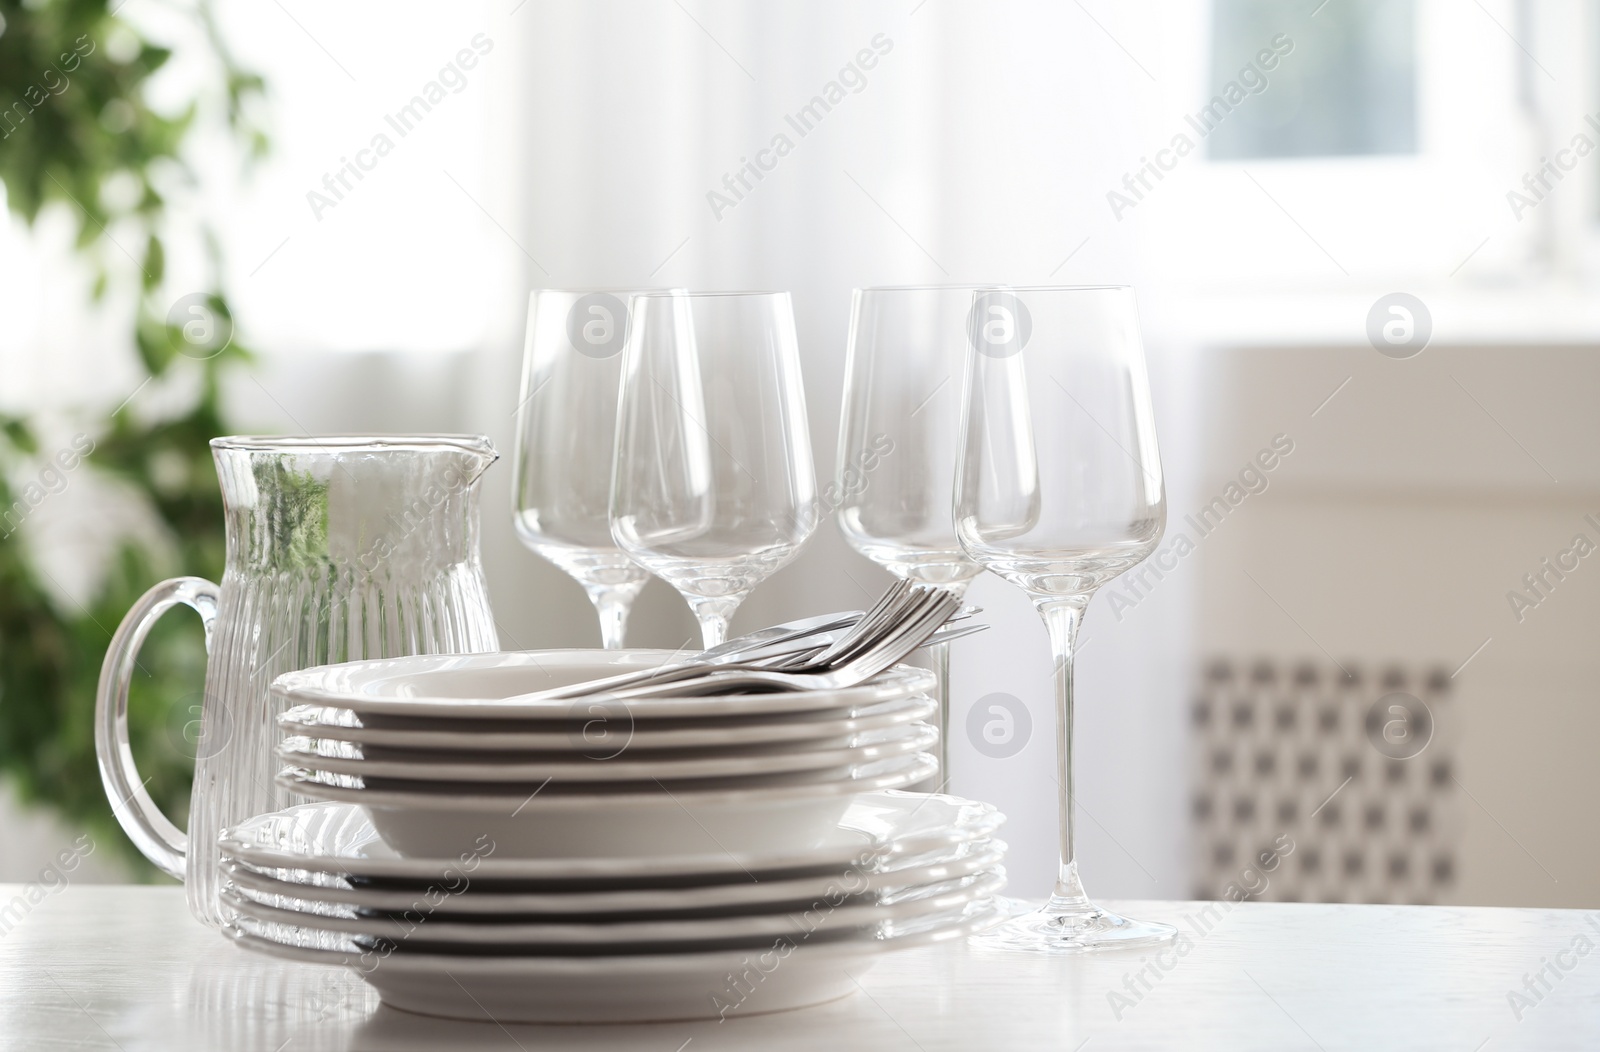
[(898, 431), (713, 487), (1058, 491), (566, 439)]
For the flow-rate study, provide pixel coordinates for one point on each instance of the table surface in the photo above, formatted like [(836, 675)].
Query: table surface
[(126, 968)]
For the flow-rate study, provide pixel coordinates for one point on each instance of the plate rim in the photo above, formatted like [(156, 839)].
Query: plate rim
[(792, 889), (302, 687), (918, 737), (983, 882), (608, 966), (911, 709)]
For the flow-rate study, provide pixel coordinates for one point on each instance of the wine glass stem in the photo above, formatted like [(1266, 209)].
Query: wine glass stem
[(940, 654), (713, 615), (1062, 617), (713, 631), (613, 605)]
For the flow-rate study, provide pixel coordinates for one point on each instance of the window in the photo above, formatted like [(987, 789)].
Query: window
[(1342, 82)]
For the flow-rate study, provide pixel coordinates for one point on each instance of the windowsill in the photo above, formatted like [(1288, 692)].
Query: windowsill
[(1546, 314)]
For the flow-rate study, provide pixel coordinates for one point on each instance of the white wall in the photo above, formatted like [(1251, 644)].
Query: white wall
[(1394, 533)]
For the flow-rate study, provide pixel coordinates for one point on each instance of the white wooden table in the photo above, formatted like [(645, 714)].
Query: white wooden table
[(126, 968)]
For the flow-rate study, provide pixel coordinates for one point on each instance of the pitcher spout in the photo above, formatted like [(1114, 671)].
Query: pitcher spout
[(481, 453)]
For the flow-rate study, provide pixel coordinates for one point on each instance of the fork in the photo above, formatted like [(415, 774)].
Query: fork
[(901, 599), (782, 642), (888, 633)]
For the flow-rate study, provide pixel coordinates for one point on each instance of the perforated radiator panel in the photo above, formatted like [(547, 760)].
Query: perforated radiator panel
[(1308, 786)]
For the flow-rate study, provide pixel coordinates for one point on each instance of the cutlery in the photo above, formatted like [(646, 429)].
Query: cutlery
[(800, 642), (887, 634)]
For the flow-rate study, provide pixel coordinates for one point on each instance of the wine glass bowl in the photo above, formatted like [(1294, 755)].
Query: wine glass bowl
[(714, 487), (899, 430), (566, 436), (1059, 490)]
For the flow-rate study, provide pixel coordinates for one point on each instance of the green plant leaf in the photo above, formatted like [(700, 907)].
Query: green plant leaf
[(20, 435), (155, 263), (62, 148)]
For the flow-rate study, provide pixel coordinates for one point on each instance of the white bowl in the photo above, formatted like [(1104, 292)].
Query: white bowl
[(444, 819)]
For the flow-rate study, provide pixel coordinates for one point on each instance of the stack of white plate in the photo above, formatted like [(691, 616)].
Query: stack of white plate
[(481, 855)]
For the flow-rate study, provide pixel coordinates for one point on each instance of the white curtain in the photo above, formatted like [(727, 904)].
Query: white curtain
[(960, 143)]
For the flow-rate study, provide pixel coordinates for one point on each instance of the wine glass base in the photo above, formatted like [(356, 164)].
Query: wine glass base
[(1078, 928), (1008, 907)]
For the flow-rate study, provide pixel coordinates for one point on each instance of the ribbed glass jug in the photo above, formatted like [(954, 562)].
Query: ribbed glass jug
[(339, 548)]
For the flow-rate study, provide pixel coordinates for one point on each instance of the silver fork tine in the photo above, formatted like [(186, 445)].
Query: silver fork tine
[(918, 628), (922, 599), (927, 620), (925, 611), (946, 632), (800, 650), (902, 620), (910, 601), (910, 611), (885, 611)]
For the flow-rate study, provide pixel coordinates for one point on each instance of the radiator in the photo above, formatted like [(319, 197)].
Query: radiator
[(1316, 782)]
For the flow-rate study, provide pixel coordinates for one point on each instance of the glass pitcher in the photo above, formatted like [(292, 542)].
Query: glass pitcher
[(338, 549)]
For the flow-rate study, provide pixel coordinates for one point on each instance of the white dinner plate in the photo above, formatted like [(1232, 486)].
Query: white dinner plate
[(297, 889), (486, 686), (880, 827), (623, 765), (448, 819), (837, 915), (602, 728), (791, 973)]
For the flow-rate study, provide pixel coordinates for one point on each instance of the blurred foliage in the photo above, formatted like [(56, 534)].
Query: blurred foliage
[(77, 132)]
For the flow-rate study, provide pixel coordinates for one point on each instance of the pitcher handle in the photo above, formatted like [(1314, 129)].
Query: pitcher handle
[(162, 842)]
